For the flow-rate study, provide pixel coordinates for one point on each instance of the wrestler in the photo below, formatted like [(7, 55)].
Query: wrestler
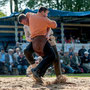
[(51, 38), (38, 28), (52, 42)]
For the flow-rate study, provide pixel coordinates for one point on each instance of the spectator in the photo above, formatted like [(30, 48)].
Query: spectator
[(9, 60), (71, 40), (17, 53), (61, 53), (71, 51), (24, 38), (65, 63), (18, 45), (22, 64), (81, 51), (85, 62), (2, 60), (21, 39), (77, 40), (75, 62)]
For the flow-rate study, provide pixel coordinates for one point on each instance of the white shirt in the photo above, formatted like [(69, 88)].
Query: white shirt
[(11, 60), (27, 33)]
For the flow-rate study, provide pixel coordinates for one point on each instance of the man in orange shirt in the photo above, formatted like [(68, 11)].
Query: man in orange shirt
[(38, 28)]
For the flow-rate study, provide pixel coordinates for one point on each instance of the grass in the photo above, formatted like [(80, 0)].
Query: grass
[(72, 75), (79, 75), (12, 76), (53, 75)]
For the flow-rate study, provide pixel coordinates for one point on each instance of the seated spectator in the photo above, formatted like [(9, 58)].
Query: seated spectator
[(18, 45), (75, 62), (81, 51), (2, 60), (9, 60), (65, 64), (85, 62), (22, 64), (17, 53), (71, 40), (71, 51), (77, 40), (61, 53)]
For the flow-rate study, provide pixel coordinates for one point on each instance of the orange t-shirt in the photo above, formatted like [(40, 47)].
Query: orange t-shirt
[(38, 24)]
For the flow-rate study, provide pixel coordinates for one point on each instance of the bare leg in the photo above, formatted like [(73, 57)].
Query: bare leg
[(28, 71)]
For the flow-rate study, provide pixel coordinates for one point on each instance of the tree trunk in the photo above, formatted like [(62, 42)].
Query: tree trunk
[(16, 5), (11, 6), (57, 1)]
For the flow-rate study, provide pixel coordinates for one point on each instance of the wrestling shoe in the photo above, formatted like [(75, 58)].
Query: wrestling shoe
[(36, 76)]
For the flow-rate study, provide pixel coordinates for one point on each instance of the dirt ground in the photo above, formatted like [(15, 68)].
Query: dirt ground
[(27, 83)]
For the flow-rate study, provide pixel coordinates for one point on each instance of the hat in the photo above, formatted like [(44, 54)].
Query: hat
[(86, 52)]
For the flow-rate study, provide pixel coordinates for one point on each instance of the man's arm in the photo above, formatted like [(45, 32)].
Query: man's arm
[(51, 23)]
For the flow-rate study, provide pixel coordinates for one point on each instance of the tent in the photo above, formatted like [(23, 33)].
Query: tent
[(10, 28), (9, 31)]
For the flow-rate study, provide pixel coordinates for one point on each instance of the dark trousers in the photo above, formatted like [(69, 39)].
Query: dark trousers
[(28, 51), (56, 63), (48, 58), (1, 67)]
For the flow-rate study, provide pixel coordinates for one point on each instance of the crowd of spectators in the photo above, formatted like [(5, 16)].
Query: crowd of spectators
[(75, 62), (13, 59), (77, 40), (71, 62)]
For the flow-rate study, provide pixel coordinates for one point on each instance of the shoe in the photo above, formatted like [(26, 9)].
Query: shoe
[(36, 76)]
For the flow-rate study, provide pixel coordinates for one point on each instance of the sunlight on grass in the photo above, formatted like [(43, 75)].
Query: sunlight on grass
[(51, 75), (72, 75)]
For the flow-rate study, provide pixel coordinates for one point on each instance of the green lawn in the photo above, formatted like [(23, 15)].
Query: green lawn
[(72, 75), (79, 75), (53, 75), (12, 76)]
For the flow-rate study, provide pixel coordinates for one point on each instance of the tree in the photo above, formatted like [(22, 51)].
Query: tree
[(57, 1), (17, 3), (68, 5), (75, 5), (2, 14), (11, 9)]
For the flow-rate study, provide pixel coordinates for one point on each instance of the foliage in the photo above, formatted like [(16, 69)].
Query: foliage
[(2, 14), (76, 5), (68, 5), (17, 3)]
